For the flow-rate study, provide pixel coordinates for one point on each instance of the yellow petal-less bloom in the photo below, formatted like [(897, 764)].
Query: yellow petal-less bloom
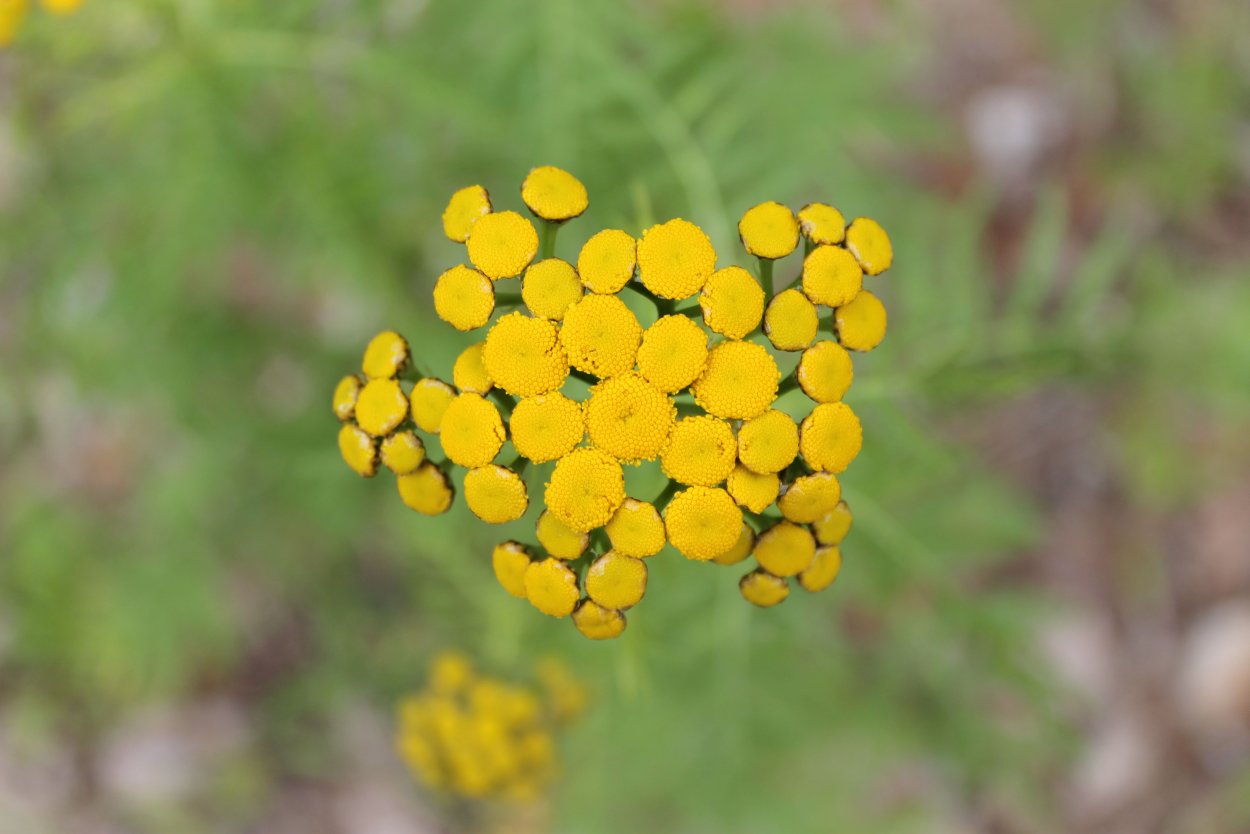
[(702, 522), (701, 451), (358, 450), (823, 570), (732, 302), (752, 490), (790, 321), (870, 245), (469, 373), (636, 529), (768, 443), (601, 336), (739, 381), (345, 395), (831, 276), (822, 224), (741, 549), (832, 529), (607, 261), (554, 194), (403, 452), (861, 324), (769, 230), (785, 549), (811, 497), (427, 490), (381, 407), (759, 587), (550, 287), (615, 580), (473, 431), (551, 587), (673, 353), (429, 400), (825, 371), (547, 427), (629, 418), (675, 259), (510, 561), (465, 208), (502, 244), (464, 298), (450, 672), (12, 12), (586, 488), (596, 622), (523, 355), (495, 494), (830, 437), (558, 540), (385, 355)]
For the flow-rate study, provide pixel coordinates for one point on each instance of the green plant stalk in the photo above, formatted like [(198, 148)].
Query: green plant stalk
[(547, 245), (766, 276)]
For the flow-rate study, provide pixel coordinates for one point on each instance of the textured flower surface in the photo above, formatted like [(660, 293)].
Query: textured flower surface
[(723, 388)]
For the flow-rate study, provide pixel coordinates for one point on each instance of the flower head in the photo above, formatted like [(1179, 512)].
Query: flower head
[(601, 336), (702, 522), (830, 437), (469, 373), (769, 230), (586, 488), (834, 525), (752, 490), (769, 442), (473, 431), (558, 540), (825, 566), (636, 529), (811, 497), (870, 245), (554, 194), (510, 561), (523, 355), (596, 622), (345, 395), (825, 371), (358, 450), (495, 494), (427, 490), (550, 287), (701, 451), (429, 400), (464, 298), (673, 353), (501, 244), (551, 587), (732, 302), (861, 323), (790, 321), (759, 587), (831, 276), (739, 381), (742, 547), (465, 208), (785, 549), (403, 452), (385, 356), (629, 418), (381, 407), (607, 261), (547, 426), (615, 580), (822, 224), (675, 259)]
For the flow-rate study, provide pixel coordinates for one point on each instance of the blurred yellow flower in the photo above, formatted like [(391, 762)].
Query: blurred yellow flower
[(861, 323), (429, 400), (636, 529), (825, 566), (759, 587), (558, 539), (833, 527), (617, 581), (870, 245), (510, 560), (551, 587), (742, 547), (810, 497), (785, 549), (469, 372), (403, 452), (596, 622), (358, 450), (427, 490)]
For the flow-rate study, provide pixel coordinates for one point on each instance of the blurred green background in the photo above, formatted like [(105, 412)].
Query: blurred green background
[(1043, 623)]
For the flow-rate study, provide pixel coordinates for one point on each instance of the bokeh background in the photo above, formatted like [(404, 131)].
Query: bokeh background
[(1043, 623)]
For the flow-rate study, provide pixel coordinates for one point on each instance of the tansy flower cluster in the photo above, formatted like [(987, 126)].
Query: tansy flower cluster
[(13, 12), (478, 737), (685, 379)]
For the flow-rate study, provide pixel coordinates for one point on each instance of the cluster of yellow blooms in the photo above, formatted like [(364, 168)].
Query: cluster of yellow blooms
[(479, 737), (13, 12), (693, 389)]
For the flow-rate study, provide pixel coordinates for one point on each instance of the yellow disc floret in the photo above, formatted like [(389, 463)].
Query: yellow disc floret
[(464, 209), (831, 276), (636, 529), (510, 561), (822, 224), (823, 570), (403, 452), (732, 302), (811, 497), (558, 540), (586, 488), (675, 259), (358, 450), (832, 529), (861, 324), (502, 244), (473, 431), (673, 353), (385, 355), (596, 622), (742, 547), (702, 522), (464, 298), (700, 452), (769, 230), (554, 194), (615, 580), (345, 395), (768, 443), (607, 261), (629, 418), (547, 426), (523, 355), (551, 587), (870, 245), (752, 490), (601, 335), (427, 490), (785, 549), (825, 371), (759, 587), (382, 406), (429, 399), (550, 287), (739, 382), (469, 373), (495, 494), (830, 437), (790, 321)]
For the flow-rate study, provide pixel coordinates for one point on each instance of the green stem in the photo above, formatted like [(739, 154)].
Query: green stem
[(688, 409), (583, 376), (788, 384), (518, 464), (663, 306), (808, 246), (508, 299), (505, 402), (547, 245), (766, 276), (694, 311), (666, 495)]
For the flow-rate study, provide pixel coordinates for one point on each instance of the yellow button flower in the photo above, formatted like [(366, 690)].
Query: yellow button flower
[(523, 355), (811, 497), (752, 490), (510, 561), (769, 230), (822, 224), (358, 450), (385, 355), (601, 335), (427, 490), (554, 194), (629, 418), (464, 209), (785, 549), (586, 488), (551, 587), (833, 527), (790, 321), (12, 12), (429, 400), (870, 245), (768, 443), (473, 431), (675, 259), (469, 373), (615, 580), (464, 298), (732, 302), (823, 570), (761, 588), (702, 522), (673, 353), (607, 261), (825, 371), (502, 244), (831, 276), (381, 407), (558, 540), (830, 437), (700, 452), (495, 494), (636, 529), (547, 427), (861, 324), (741, 549), (345, 395), (739, 382), (403, 452), (596, 622), (450, 672), (550, 287)]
